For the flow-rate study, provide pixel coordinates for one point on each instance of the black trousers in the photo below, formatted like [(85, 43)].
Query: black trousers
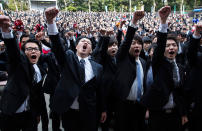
[(75, 120), (130, 116), (19, 122), (71, 120), (165, 120), (195, 123)]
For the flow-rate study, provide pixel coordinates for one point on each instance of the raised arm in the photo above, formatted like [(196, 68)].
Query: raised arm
[(124, 47), (161, 37), (194, 45), (57, 47), (12, 47)]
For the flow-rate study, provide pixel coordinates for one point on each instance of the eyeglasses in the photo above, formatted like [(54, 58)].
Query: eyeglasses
[(30, 49)]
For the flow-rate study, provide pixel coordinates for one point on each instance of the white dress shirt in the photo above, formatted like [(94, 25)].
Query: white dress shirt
[(88, 76), (133, 91)]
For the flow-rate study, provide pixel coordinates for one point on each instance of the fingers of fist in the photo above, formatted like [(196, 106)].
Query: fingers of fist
[(51, 13)]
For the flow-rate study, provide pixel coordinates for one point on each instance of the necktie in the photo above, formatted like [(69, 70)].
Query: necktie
[(139, 81), (82, 62), (175, 74)]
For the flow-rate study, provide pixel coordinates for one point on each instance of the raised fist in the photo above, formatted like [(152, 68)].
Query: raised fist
[(50, 14), (138, 15), (5, 23), (164, 13), (198, 30), (103, 31), (40, 36)]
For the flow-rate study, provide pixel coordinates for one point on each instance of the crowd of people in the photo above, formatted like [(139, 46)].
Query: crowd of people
[(129, 72)]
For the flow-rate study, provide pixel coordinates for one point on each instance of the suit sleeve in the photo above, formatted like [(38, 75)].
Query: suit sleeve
[(159, 51), (13, 52), (119, 37), (58, 49), (192, 51), (125, 46)]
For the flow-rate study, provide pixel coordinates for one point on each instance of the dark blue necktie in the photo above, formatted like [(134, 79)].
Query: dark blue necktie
[(82, 63), (139, 81)]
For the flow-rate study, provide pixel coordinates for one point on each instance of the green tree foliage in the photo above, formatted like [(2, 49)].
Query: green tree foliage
[(99, 5)]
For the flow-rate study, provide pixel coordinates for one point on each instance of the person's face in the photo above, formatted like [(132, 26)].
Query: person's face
[(154, 40), (24, 39), (135, 48), (151, 52), (32, 51), (2, 46), (84, 47), (112, 50), (146, 45), (171, 49)]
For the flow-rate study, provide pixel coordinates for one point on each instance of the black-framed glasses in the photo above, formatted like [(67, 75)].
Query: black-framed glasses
[(30, 49)]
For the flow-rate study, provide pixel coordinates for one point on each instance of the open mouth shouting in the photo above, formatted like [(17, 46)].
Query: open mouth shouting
[(171, 52), (137, 51), (84, 47), (33, 57)]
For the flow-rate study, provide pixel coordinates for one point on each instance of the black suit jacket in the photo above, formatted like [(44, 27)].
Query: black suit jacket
[(72, 45), (20, 82), (194, 82), (126, 67), (109, 69), (70, 85), (157, 96)]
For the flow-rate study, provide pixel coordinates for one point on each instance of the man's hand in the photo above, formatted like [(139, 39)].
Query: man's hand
[(5, 23), (40, 36), (102, 31), (122, 23), (50, 14), (103, 117), (198, 30), (184, 120), (164, 12), (138, 15)]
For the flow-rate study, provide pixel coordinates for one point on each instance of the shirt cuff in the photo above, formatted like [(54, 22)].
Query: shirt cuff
[(52, 29), (163, 28), (8, 35), (120, 29), (196, 37), (134, 26)]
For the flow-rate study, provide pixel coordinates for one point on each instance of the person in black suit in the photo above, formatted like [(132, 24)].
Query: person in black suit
[(128, 82), (181, 55), (22, 97), (164, 99), (193, 84), (104, 54), (69, 41), (80, 84)]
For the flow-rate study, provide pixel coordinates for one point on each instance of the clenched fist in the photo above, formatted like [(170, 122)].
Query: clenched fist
[(164, 12), (50, 14), (5, 23), (198, 30), (138, 15)]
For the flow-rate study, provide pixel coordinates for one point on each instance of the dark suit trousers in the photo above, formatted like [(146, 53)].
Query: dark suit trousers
[(162, 121), (19, 122), (195, 123), (130, 116), (71, 120)]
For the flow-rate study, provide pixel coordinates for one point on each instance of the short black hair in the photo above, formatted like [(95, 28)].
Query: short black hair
[(31, 41), (22, 36), (138, 38), (112, 41), (172, 37), (81, 37)]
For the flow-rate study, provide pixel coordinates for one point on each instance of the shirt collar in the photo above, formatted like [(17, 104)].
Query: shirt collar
[(86, 59)]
